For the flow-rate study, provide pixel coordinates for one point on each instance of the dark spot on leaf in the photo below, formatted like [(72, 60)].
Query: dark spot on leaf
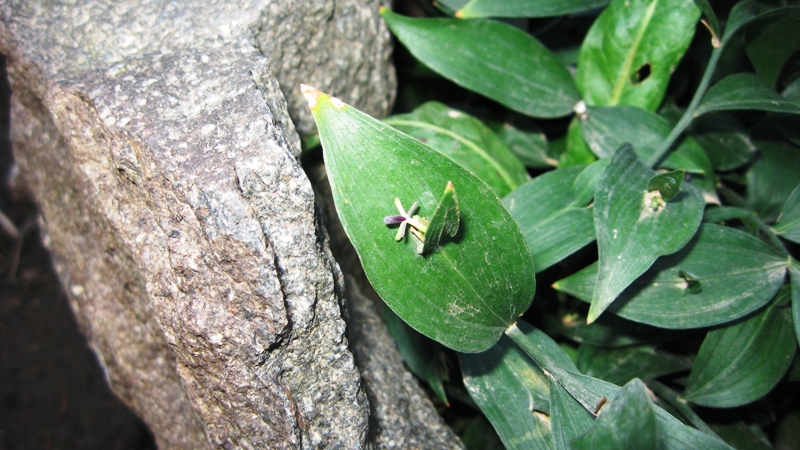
[(641, 74)]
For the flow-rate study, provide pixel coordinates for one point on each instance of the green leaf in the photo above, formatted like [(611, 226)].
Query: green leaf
[(726, 141), (788, 224), (668, 184), (794, 274), (620, 365), (742, 13), (741, 363), (741, 436), (607, 128), (589, 392), (632, 49), (744, 91), (770, 43), (628, 420), (526, 8), (470, 290), (465, 140), (586, 182), (631, 234), (578, 152), (674, 435), (491, 58), (445, 220), (570, 419), (512, 392), (530, 146), (554, 226), (719, 214), (738, 274), (772, 178), (424, 357)]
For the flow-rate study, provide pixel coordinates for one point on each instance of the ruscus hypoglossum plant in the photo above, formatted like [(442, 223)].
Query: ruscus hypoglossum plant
[(641, 159)]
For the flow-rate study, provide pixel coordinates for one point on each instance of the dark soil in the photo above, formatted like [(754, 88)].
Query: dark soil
[(53, 392)]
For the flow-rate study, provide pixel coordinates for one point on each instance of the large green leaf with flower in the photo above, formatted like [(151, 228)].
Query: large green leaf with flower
[(470, 288)]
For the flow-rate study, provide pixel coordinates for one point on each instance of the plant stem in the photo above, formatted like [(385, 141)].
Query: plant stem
[(588, 399), (688, 115), (734, 199), (671, 397)]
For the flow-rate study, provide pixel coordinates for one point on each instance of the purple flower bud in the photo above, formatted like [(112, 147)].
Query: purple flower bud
[(390, 220)]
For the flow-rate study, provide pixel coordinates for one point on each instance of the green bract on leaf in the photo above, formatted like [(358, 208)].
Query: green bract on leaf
[(474, 285), (667, 184), (445, 220), (491, 58)]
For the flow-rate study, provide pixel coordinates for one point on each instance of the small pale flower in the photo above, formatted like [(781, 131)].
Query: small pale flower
[(418, 224)]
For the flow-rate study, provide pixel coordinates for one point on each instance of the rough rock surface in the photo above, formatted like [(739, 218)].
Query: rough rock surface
[(160, 151)]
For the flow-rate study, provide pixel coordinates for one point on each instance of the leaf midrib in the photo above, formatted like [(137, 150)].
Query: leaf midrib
[(626, 67)]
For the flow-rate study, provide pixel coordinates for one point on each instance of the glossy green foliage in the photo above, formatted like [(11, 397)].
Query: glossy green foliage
[(465, 140), (607, 128), (513, 393), (590, 393), (491, 58), (628, 420), (689, 185), (632, 232), (740, 363), (672, 433), (554, 221), (525, 8), (738, 274), (745, 91), (632, 49), (620, 365), (474, 286)]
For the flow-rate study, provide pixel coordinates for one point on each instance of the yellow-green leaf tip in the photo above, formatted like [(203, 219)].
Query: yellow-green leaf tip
[(311, 94)]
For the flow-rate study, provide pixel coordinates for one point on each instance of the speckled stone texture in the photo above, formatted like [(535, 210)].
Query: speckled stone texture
[(160, 150)]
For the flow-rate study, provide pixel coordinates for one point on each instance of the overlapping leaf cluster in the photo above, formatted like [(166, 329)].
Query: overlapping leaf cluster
[(692, 297)]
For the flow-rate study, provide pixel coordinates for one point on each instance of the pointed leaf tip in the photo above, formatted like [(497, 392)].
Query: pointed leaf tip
[(311, 94)]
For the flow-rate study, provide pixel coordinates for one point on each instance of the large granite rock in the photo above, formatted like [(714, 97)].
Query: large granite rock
[(159, 147)]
